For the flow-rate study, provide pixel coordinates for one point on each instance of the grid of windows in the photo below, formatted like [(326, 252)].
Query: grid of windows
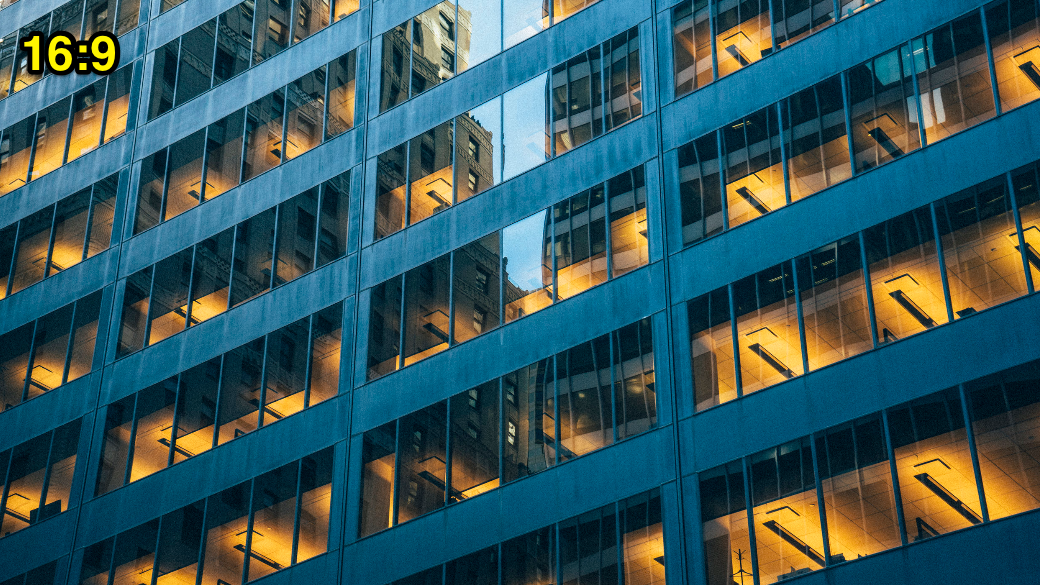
[(38, 481)]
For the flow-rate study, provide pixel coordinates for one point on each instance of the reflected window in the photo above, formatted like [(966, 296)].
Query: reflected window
[(430, 173), (342, 90), (426, 310), (1014, 37), (422, 465), (530, 559), (476, 288), (478, 164), (263, 147), (529, 423), (379, 452), (306, 105), (195, 68), (691, 46), (527, 266), (580, 237), (384, 330), (234, 37), (474, 442), (585, 398)]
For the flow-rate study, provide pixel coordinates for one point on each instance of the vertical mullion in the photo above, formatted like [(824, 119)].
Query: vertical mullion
[(909, 48), (896, 492), (447, 452), (263, 384), (837, 11), (177, 72), (176, 420), (5, 489), (783, 150), (846, 96), (285, 122), (720, 149), (191, 286), (613, 382), (216, 45), (104, 107), (32, 146), (130, 447), (50, 242), (69, 121), (297, 513), (451, 299), (712, 25), (394, 481), (68, 346), (942, 262), (90, 227), (868, 287), (274, 244), (970, 432), (308, 372), (165, 187), (998, 110), (800, 315), (46, 479), (201, 557), (29, 363), (400, 334), (323, 191), (557, 443), (1013, 201), (158, 542), (216, 406), (736, 346), (750, 511), (14, 259), (245, 142), (820, 500), (112, 560), (148, 313), (772, 29), (203, 175), (328, 91), (501, 435), (249, 532), (618, 543), (606, 229)]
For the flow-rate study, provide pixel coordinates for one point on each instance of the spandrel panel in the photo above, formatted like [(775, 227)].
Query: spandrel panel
[(934, 466), (629, 239), (478, 150), (883, 109), (378, 454), (115, 449), (905, 276), (297, 229), (742, 33), (1014, 37), (815, 138), (312, 536), (529, 427), (711, 342), (980, 247), (526, 141), (523, 19), (423, 462), (227, 517), (426, 310), (224, 154), (196, 410), (384, 329), (263, 148), (51, 128), (474, 441), (240, 391), (134, 319), (788, 533), (433, 47), (168, 309), (273, 517), (153, 429), (184, 175), (479, 32), (87, 108), (430, 172), (195, 70), (211, 277), (767, 328), (724, 524), (50, 348), (326, 350), (30, 261), (642, 539), (527, 266), (396, 66), (285, 372), (691, 46), (234, 37), (834, 303), (342, 89), (475, 295), (857, 490), (306, 103), (753, 166), (635, 389), (585, 397), (700, 189), (793, 20), (254, 254)]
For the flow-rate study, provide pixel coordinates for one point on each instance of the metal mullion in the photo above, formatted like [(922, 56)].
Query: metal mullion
[(712, 25), (112, 560), (401, 321), (29, 362), (942, 262), (322, 192), (451, 299), (90, 225), (176, 420), (619, 544), (407, 181), (50, 242), (750, 513), (917, 91), (297, 513), (255, 41), (1020, 230), (409, 34), (309, 370), (285, 123), (736, 346), (201, 558), (216, 406), (69, 121), (846, 96), (719, 148), (165, 188), (293, 4), (557, 447), (820, 503), (555, 264), (998, 110), (191, 287), (397, 470), (970, 433), (249, 532), (501, 426), (274, 241), (46, 478), (14, 258), (216, 45), (868, 285), (328, 91), (156, 553), (245, 141), (783, 149), (613, 383), (501, 281), (205, 166), (448, 448), (604, 92), (177, 72), (800, 315), (130, 447), (68, 346), (6, 487), (148, 313), (556, 552), (32, 146), (837, 12), (231, 268), (104, 106), (606, 229), (115, 16), (772, 29), (896, 492), (263, 385)]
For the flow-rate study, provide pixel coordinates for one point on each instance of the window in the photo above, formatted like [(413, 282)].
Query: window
[(474, 149), (724, 524), (39, 476), (711, 342)]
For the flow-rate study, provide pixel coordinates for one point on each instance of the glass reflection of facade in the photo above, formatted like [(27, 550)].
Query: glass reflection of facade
[(522, 292)]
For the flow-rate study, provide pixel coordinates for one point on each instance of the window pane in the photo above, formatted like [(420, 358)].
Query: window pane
[(164, 79), (905, 276), (480, 29), (691, 45), (99, 16), (234, 37), (527, 266), (342, 8), (342, 89), (274, 513), (426, 310), (474, 441), (635, 391), (857, 490), (586, 405), (530, 559), (1014, 36), (333, 221), (476, 289), (51, 346), (15, 148), (310, 17), (63, 464), (727, 544), (642, 537), (326, 348), (135, 554), (430, 170), (315, 505), (169, 305), (14, 364), (767, 328), (240, 391), (196, 410), (396, 66), (390, 191), (8, 46), (788, 535), (711, 342), (1027, 197), (754, 170), (850, 7), (700, 191), (25, 479), (129, 15), (834, 303), (588, 547), (384, 329), (421, 469), (34, 238), (953, 78), (115, 448), (22, 77), (150, 192), (581, 247), (154, 429), (815, 137), (87, 108), (526, 139), (529, 427), (7, 242), (70, 232), (286, 371), (629, 242), (211, 278), (478, 152), (117, 103), (135, 312), (254, 250), (97, 562), (796, 19), (623, 80), (433, 47), (196, 62), (184, 175), (306, 98), (1004, 412), (377, 480), (102, 215), (979, 242), (577, 114), (742, 34), (227, 516), (51, 127), (523, 19), (224, 154), (883, 109), (84, 336), (272, 29), (179, 543), (297, 228), (263, 150), (479, 568)]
